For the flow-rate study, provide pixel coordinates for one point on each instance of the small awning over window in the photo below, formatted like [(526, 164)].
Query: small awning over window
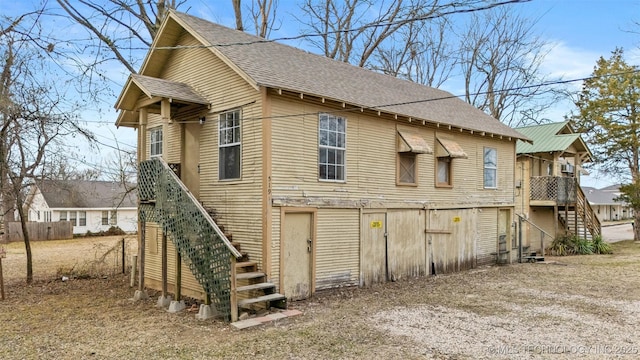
[(411, 142), (449, 148)]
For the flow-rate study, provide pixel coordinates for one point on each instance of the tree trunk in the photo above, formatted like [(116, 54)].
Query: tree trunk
[(636, 224), (25, 238)]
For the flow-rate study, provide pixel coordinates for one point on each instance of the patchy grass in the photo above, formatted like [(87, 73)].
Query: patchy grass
[(573, 300)]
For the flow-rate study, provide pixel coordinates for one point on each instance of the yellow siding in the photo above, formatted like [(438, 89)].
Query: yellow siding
[(454, 239), (371, 164), (488, 238), (153, 265), (237, 203), (406, 244), (337, 248), (275, 248)]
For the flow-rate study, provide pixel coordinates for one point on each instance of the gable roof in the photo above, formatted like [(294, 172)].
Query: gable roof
[(270, 64), (551, 137), (81, 194), (604, 196)]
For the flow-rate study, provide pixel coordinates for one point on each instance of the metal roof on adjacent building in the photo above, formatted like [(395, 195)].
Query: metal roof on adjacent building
[(551, 137)]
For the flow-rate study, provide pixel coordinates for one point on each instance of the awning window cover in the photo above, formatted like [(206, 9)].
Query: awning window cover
[(449, 148), (409, 141)]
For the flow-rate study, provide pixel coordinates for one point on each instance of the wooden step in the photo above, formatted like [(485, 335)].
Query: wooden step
[(260, 286), (249, 275), (270, 297), (245, 264)]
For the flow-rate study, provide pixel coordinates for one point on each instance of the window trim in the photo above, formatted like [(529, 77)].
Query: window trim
[(229, 145), (449, 161), (493, 168), (399, 157), (329, 147), (157, 143)]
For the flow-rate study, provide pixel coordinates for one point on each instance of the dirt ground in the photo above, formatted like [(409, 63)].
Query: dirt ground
[(566, 308)]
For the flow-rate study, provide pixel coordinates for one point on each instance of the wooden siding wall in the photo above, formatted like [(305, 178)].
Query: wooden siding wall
[(455, 250), (406, 245), (337, 248), (544, 218), (237, 202), (371, 164), (488, 239), (153, 265)]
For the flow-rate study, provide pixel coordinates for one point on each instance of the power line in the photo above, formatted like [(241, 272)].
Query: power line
[(339, 31), (382, 106)]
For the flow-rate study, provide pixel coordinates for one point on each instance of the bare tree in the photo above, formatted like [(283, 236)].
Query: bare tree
[(422, 54), (31, 113), (500, 59), (263, 14), (118, 25)]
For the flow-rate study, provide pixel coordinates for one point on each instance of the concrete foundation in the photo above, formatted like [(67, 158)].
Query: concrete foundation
[(206, 312), (140, 295), (164, 302), (176, 306)]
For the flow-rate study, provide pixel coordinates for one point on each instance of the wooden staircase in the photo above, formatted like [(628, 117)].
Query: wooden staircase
[(250, 292), (580, 219)]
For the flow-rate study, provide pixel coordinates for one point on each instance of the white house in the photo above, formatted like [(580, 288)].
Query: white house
[(91, 205)]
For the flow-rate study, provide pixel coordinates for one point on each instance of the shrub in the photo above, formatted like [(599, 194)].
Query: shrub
[(601, 247), (582, 246)]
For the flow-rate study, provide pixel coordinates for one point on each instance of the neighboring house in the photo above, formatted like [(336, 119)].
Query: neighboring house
[(325, 174), (548, 193), (603, 203), (90, 205)]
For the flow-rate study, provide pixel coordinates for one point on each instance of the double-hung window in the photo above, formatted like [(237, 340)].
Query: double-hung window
[(332, 146), (105, 217), (490, 168), (155, 141), (63, 216), (229, 146), (82, 219)]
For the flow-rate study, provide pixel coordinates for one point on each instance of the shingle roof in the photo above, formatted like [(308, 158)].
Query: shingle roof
[(279, 66), (82, 194), (548, 138), (601, 196), (166, 88)]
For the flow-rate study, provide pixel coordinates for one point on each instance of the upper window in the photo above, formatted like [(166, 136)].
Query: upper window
[(490, 168), (407, 168), (443, 171), (332, 142), (156, 141), (229, 147)]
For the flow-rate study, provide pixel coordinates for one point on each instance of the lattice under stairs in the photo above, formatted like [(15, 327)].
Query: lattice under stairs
[(202, 245)]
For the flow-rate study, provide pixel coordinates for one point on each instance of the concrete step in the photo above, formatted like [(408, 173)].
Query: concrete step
[(260, 286), (270, 297), (249, 275)]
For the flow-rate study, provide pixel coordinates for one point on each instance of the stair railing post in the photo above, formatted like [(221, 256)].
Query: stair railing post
[(233, 296), (178, 275)]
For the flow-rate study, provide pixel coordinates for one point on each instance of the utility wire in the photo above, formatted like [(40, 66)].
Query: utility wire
[(339, 31)]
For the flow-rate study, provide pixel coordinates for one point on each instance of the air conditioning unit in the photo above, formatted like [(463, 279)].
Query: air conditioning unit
[(567, 168)]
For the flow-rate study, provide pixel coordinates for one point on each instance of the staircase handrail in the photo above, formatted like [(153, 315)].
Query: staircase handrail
[(588, 214), (534, 225), (204, 212)]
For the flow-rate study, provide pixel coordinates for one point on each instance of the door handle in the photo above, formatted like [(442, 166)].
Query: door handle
[(309, 242)]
